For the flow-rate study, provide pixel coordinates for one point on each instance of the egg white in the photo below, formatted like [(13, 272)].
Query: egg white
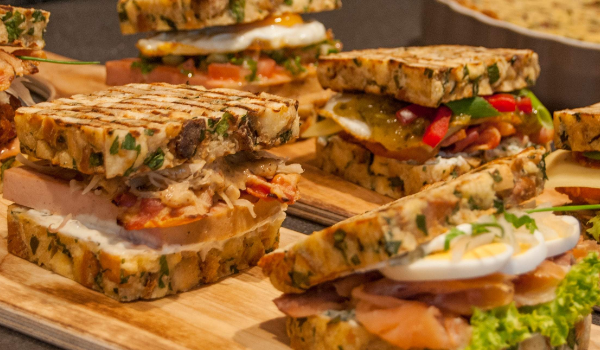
[(230, 39), (527, 260), (566, 237)]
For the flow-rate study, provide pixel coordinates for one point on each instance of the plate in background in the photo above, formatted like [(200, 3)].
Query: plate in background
[(570, 75)]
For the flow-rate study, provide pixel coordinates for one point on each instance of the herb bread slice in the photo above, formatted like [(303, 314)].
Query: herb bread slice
[(396, 178), (339, 330), (402, 226), (138, 16), (578, 129), (23, 27), (142, 127), (430, 75), (128, 272)]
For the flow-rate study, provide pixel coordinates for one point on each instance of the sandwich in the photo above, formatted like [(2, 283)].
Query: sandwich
[(459, 265), (21, 34), (251, 45), (404, 118), (574, 168), (147, 190)]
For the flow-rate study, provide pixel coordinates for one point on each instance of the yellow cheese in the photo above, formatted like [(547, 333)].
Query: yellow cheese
[(564, 171)]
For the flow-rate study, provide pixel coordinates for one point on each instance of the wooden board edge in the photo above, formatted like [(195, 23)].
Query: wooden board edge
[(315, 214), (48, 332)]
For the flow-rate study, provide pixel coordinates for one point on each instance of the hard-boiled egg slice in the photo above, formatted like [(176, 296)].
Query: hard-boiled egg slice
[(528, 258), (481, 261), (561, 233)]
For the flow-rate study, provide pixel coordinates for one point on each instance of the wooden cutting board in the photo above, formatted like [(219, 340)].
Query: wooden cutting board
[(236, 313), (326, 199)]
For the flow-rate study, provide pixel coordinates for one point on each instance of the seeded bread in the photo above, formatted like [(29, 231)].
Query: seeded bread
[(128, 272), (578, 129), (141, 127), (138, 16), (401, 226), (325, 332), (395, 178), (430, 75), (22, 27)]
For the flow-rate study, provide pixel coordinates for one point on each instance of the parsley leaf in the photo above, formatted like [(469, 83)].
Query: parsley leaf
[(517, 222), (96, 159), (422, 224), (294, 65), (253, 70), (155, 160), (454, 232), (223, 125), (237, 9), (12, 21), (114, 148), (493, 73), (144, 66), (129, 143), (38, 16)]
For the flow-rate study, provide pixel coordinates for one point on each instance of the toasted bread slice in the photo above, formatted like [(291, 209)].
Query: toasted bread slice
[(138, 16), (323, 332), (430, 75), (22, 27), (578, 129), (140, 127), (127, 272), (401, 226), (395, 178)]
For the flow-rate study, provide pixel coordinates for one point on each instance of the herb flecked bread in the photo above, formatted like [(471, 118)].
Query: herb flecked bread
[(157, 15), (395, 178), (401, 226), (332, 331), (578, 129), (22, 27), (142, 127), (127, 272), (430, 75)]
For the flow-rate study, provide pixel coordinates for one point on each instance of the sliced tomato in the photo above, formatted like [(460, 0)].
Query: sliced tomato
[(524, 105), (503, 102), (265, 67), (436, 131), (224, 71), (411, 112)]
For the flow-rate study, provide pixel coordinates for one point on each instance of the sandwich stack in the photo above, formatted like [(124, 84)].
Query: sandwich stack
[(574, 168), (147, 190), (456, 266), (408, 117), (251, 45), (21, 31)]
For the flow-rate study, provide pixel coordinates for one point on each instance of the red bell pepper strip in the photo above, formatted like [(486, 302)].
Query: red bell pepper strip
[(503, 102), (435, 132), (524, 105)]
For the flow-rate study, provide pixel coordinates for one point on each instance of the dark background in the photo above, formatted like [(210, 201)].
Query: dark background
[(89, 29)]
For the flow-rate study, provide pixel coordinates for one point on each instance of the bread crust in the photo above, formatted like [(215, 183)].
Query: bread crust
[(136, 272), (578, 129), (430, 75)]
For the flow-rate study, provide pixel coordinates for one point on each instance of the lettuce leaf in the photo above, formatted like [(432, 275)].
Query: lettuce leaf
[(594, 231), (506, 326)]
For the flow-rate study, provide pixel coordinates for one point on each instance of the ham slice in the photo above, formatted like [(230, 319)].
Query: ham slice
[(32, 189), (410, 324), (315, 301)]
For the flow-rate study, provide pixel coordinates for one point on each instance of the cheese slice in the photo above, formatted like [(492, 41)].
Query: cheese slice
[(564, 171)]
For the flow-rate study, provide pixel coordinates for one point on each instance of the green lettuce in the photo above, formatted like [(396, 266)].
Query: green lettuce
[(506, 326), (594, 230)]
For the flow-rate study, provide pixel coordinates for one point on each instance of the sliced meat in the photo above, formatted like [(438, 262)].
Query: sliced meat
[(539, 286), (315, 301), (8, 106), (12, 67), (457, 296), (410, 324), (190, 136)]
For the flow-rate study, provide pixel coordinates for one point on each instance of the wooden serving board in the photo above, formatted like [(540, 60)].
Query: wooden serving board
[(236, 313)]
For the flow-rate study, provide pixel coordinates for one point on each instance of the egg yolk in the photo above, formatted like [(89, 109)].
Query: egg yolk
[(484, 251), (286, 20)]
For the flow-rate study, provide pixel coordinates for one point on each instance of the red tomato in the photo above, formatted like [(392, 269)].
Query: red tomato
[(543, 136), (438, 128), (503, 102), (410, 113), (524, 105), (224, 71), (266, 67)]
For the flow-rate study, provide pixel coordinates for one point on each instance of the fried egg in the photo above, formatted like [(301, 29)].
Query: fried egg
[(273, 34)]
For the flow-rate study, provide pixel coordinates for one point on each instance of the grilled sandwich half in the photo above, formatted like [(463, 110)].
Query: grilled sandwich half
[(454, 266), (22, 27), (407, 117), (148, 190)]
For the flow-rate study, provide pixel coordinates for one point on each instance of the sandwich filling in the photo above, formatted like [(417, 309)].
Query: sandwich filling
[(410, 132), (161, 206), (490, 284), (274, 51)]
